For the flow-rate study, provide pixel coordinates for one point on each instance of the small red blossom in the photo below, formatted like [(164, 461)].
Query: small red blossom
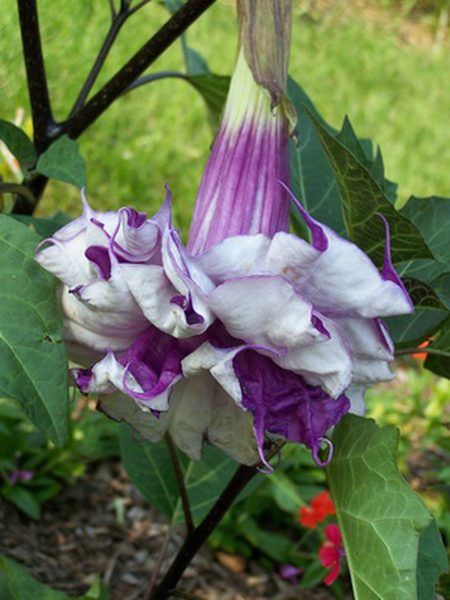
[(421, 355), (321, 506), (331, 552)]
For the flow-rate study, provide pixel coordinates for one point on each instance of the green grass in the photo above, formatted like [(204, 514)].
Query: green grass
[(394, 93)]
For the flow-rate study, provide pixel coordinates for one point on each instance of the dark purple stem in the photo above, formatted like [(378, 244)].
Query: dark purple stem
[(179, 474), (45, 128), (117, 21), (36, 77), (199, 536), (175, 26)]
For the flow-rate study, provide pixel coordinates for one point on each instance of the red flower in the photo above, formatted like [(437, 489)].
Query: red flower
[(331, 552), (421, 355), (321, 506)]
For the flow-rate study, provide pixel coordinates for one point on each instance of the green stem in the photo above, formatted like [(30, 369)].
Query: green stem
[(179, 474), (436, 351)]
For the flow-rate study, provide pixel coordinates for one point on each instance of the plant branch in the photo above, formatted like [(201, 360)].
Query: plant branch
[(138, 6), (173, 28), (26, 196), (117, 21), (112, 8), (199, 536), (406, 351), (36, 77), (155, 77), (179, 474)]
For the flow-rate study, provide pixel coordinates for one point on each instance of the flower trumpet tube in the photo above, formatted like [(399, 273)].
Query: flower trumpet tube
[(250, 333), (240, 191)]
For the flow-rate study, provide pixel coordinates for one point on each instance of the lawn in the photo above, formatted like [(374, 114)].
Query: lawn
[(350, 61)]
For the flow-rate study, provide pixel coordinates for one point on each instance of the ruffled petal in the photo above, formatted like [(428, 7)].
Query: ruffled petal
[(263, 310), (345, 282), (240, 256), (99, 328), (161, 302), (63, 253), (325, 361), (146, 371), (188, 279)]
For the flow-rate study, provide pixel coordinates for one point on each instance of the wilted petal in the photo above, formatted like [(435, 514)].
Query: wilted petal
[(201, 409), (283, 403), (122, 408)]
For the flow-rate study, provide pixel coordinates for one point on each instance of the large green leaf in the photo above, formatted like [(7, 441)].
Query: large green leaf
[(150, 468), (432, 561), (313, 179), (33, 366), (18, 143), (364, 199), (17, 584), (44, 227), (429, 314), (432, 217), (380, 517), (63, 161)]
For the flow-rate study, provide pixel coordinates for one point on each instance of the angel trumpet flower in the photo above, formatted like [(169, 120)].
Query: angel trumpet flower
[(251, 332)]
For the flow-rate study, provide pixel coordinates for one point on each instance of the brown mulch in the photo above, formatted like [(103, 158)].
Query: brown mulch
[(100, 526)]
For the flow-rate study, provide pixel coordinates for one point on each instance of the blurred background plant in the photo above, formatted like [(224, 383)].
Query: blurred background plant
[(360, 58)]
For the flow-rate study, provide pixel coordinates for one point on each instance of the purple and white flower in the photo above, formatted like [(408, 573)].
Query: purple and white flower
[(249, 332)]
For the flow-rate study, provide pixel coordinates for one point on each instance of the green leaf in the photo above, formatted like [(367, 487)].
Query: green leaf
[(63, 161), (44, 227), (425, 270), (432, 561), (363, 198), (440, 363), (313, 180), (380, 517), (432, 217), (214, 90), (195, 63), (97, 591), (18, 144), (17, 584), (285, 492), (24, 499), (33, 365), (276, 545), (150, 468), (429, 314)]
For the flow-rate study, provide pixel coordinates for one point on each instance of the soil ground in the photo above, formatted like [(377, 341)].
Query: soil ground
[(100, 526)]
